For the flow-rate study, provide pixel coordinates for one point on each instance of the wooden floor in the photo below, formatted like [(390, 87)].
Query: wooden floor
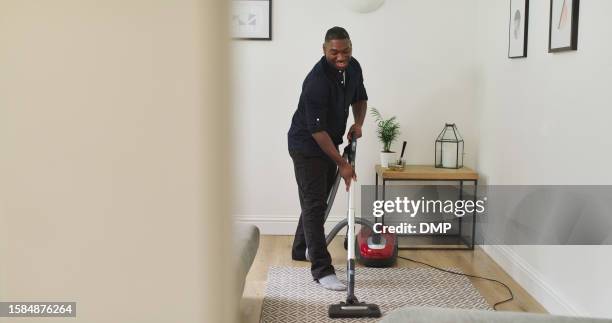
[(276, 251)]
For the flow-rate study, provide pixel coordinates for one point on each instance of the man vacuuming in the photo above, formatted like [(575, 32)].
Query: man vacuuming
[(317, 128)]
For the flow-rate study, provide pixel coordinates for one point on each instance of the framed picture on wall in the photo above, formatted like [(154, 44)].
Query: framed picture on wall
[(563, 29), (252, 19), (518, 27)]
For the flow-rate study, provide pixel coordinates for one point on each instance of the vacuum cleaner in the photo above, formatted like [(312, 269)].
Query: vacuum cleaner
[(373, 249), (377, 249), (352, 308)]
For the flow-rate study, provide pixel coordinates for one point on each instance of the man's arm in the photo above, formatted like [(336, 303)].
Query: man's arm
[(359, 112), (327, 145)]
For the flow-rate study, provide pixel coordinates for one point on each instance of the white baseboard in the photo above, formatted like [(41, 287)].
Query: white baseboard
[(531, 280), (282, 224)]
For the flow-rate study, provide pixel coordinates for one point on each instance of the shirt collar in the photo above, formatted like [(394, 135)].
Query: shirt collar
[(330, 67), (335, 73)]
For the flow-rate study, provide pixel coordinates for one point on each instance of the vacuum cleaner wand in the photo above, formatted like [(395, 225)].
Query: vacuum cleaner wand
[(352, 308)]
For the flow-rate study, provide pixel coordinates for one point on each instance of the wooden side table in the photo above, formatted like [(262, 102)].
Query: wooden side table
[(431, 173)]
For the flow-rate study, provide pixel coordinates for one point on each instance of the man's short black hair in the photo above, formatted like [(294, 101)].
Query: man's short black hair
[(336, 33)]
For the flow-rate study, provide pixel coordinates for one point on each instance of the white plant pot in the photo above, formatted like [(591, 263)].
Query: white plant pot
[(387, 158)]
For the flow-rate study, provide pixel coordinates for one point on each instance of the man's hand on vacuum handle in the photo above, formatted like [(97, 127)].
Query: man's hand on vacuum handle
[(347, 173), (354, 131), (345, 169)]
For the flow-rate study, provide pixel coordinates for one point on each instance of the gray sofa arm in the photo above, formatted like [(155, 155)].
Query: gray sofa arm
[(246, 243), (446, 315)]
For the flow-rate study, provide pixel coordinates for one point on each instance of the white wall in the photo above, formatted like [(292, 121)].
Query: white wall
[(113, 124), (543, 120), (418, 61)]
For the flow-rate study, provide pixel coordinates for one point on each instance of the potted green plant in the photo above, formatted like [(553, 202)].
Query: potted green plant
[(388, 130)]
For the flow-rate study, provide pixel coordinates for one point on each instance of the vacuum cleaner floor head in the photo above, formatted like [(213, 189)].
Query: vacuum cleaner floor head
[(357, 310)]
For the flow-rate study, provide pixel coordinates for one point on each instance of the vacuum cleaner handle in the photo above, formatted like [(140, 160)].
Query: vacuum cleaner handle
[(351, 159), (350, 272), (352, 152), (352, 307)]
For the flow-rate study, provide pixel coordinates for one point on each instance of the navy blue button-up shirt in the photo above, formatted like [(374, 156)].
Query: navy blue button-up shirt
[(324, 105)]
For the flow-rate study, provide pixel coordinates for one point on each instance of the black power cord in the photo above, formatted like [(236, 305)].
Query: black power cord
[(468, 275)]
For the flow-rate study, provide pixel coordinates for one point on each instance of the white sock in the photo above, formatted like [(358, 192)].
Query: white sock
[(332, 282)]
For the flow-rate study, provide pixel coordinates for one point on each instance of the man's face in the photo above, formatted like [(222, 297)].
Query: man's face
[(338, 52)]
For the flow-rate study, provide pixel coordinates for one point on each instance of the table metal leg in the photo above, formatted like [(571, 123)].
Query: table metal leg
[(474, 215), (376, 187), (460, 198), (384, 185)]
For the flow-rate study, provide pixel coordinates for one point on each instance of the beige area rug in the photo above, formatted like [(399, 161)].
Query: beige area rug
[(292, 296)]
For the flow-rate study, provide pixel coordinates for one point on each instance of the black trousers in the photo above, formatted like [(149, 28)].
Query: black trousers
[(315, 177)]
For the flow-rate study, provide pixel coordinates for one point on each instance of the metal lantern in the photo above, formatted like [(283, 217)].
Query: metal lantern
[(449, 148)]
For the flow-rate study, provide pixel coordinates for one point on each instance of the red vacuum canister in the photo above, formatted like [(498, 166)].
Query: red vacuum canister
[(376, 249)]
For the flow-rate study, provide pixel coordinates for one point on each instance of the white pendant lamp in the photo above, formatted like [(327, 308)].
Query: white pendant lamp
[(363, 6)]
